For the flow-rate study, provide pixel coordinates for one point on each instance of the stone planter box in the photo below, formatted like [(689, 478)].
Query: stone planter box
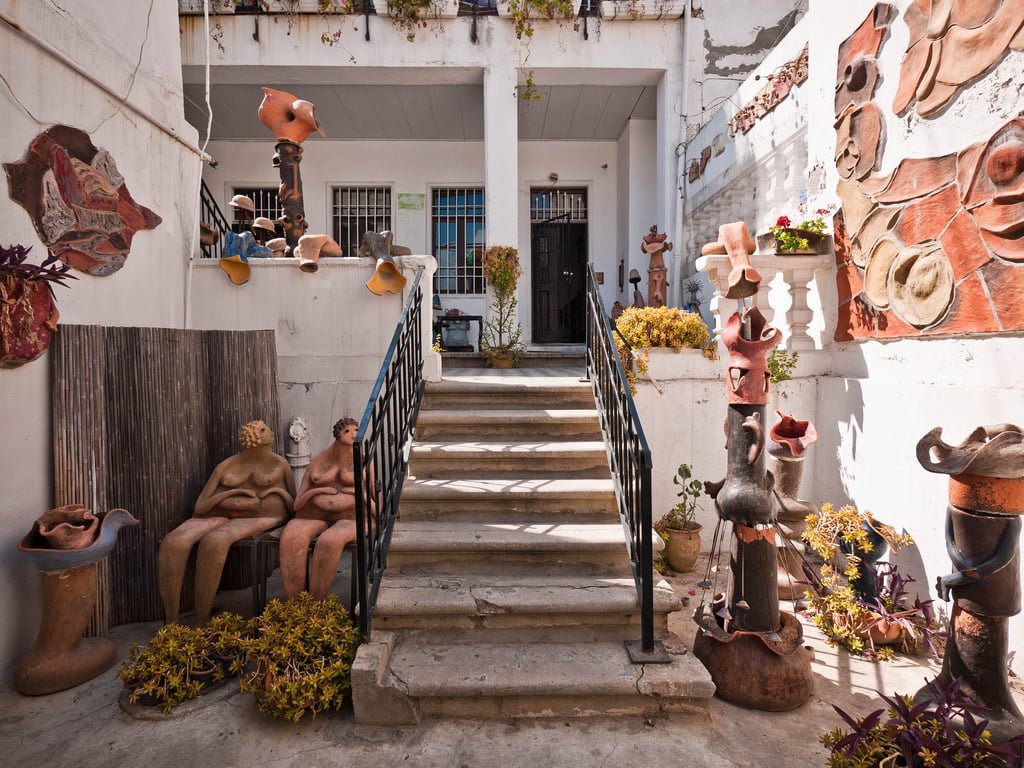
[(667, 364), (819, 244), (642, 9), (505, 11), (195, 7), (438, 9)]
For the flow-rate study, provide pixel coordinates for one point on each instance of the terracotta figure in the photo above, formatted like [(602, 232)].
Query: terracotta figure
[(248, 493), (638, 296), (312, 247), (735, 241), (290, 118), (325, 507), (983, 522), (656, 247)]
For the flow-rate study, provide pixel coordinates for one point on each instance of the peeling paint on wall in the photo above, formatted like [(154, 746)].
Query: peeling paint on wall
[(733, 60)]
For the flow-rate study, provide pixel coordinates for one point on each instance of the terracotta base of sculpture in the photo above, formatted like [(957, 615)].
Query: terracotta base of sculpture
[(976, 652), (769, 672), (60, 658)]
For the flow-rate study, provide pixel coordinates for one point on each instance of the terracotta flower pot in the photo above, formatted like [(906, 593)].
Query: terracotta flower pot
[(683, 548), (883, 632)]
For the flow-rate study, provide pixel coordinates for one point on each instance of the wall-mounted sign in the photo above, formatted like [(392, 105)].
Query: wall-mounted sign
[(411, 202)]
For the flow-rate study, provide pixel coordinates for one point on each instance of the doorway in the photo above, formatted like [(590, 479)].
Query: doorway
[(558, 247)]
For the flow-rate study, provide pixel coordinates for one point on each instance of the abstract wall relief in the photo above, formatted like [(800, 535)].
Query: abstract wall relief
[(768, 98), (931, 248), (78, 200), (937, 246), (951, 43)]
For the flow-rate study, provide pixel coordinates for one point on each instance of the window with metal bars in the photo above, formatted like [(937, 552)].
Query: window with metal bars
[(356, 210), (265, 200), (547, 204), (458, 230)]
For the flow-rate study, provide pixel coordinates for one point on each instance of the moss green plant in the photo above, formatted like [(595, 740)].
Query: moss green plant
[(781, 364), (300, 659), (172, 668), (639, 329), (523, 12)]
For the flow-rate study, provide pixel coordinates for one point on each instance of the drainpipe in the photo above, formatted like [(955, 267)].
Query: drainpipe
[(680, 200)]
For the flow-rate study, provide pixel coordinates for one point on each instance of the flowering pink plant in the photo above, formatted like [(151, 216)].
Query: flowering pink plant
[(783, 221), (790, 241)]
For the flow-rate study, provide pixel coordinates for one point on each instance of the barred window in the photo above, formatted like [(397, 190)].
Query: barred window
[(459, 235), (265, 200), (356, 210)]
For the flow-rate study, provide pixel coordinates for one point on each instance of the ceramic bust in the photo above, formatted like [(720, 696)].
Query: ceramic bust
[(248, 493), (325, 506)]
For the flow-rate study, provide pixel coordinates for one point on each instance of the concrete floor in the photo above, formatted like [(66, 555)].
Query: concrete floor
[(85, 728)]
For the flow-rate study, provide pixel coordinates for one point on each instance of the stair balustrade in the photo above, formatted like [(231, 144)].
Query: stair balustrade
[(381, 451), (211, 215), (629, 458)]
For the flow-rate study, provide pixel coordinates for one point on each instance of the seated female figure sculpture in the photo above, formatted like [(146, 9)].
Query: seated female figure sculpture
[(248, 493), (326, 505)]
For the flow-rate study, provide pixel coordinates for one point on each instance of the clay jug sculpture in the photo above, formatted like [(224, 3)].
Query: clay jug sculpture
[(312, 247), (387, 278), (290, 118), (60, 658)]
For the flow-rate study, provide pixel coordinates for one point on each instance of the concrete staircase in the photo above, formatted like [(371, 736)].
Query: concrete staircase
[(509, 591)]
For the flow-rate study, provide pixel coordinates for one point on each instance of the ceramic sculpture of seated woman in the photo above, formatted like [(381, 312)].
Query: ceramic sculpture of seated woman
[(326, 505), (248, 493)]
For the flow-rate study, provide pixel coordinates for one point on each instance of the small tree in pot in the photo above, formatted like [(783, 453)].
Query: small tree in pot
[(679, 528), (501, 338)]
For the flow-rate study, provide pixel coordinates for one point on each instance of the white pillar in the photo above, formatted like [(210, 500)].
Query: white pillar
[(501, 154), (800, 314)]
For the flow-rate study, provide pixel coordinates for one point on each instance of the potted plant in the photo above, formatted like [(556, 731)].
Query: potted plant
[(227, 635), (857, 605), (300, 658), (28, 310), (174, 667), (501, 337), (640, 329), (411, 15), (679, 528), (808, 237)]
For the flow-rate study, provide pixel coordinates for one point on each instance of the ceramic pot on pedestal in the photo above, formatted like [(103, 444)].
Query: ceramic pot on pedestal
[(787, 445), (60, 658), (983, 522)]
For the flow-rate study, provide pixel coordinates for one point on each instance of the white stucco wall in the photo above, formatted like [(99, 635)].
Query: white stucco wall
[(877, 398), (160, 173)]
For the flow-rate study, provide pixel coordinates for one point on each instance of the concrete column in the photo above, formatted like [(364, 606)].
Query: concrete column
[(799, 315), (501, 154)]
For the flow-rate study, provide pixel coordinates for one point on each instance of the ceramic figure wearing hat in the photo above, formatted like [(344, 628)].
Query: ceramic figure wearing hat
[(656, 246)]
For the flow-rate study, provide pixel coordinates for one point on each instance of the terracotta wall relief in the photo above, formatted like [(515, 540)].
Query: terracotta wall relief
[(930, 248), (774, 93)]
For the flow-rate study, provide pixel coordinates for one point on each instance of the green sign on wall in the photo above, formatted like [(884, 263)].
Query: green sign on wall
[(411, 202)]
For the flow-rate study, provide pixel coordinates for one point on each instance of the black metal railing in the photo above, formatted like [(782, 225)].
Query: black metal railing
[(381, 451), (211, 215), (628, 452)]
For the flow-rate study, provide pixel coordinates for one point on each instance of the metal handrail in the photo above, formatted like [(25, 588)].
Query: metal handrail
[(381, 451), (211, 215), (628, 452)]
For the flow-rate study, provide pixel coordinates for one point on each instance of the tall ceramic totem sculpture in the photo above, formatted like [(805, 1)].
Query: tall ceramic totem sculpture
[(753, 651), (656, 246), (983, 521), (292, 120)]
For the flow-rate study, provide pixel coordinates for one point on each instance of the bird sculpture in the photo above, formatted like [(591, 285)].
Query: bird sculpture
[(290, 118)]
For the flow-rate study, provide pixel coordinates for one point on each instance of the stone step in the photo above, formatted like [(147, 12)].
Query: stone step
[(506, 496), (475, 548), (540, 360), (400, 680), (574, 608), (493, 424), (492, 393), (470, 458)]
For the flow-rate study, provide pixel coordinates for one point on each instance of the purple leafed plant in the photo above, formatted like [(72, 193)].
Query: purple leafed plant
[(13, 263)]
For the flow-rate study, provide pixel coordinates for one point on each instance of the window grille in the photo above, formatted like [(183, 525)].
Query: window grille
[(459, 236), (557, 203), (357, 210), (265, 200)]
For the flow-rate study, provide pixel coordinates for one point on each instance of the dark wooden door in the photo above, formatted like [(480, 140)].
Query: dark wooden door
[(559, 263)]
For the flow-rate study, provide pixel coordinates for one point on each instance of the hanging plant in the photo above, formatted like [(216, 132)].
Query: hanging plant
[(409, 15), (523, 12), (28, 309)]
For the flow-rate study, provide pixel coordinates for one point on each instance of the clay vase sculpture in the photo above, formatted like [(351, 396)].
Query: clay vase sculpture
[(290, 118), (787, 445), (312, 247), (983, 522), (387, 278), (324, 508), (735, 241), (61, 658), (247, 494)]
